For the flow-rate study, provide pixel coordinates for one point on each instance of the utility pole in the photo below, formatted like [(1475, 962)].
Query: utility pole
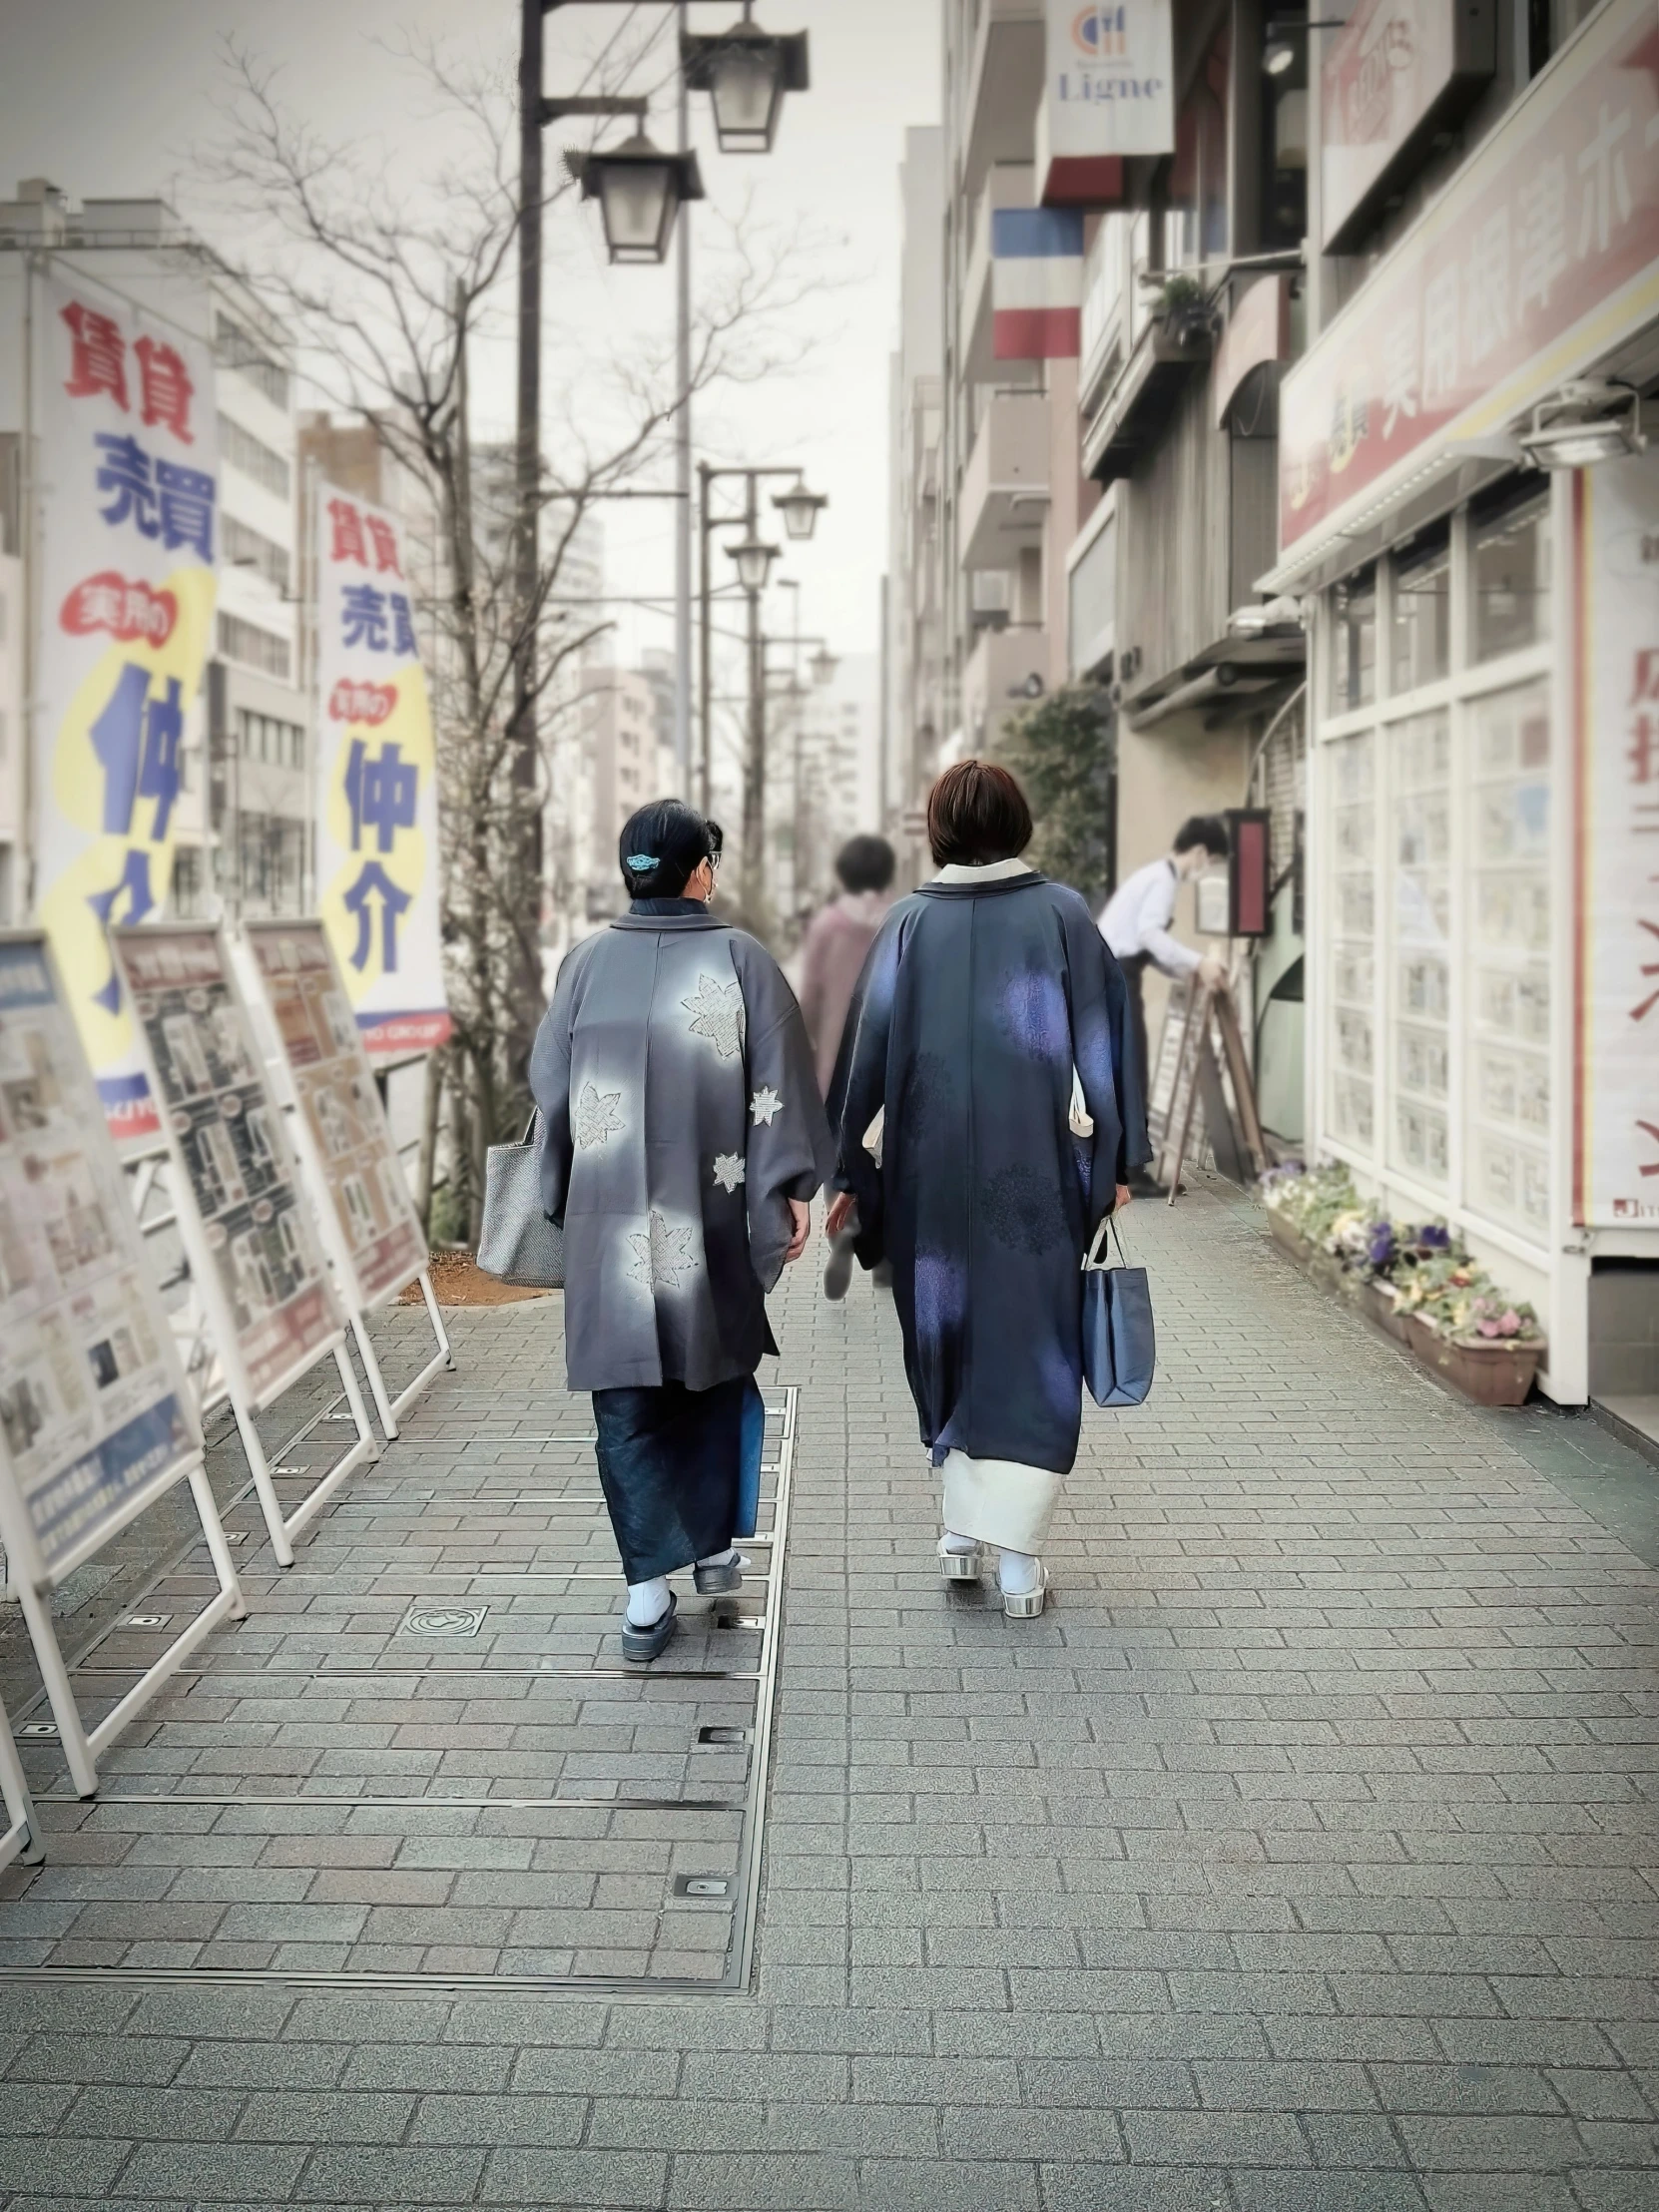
[(683, 456), (524, 953), (754, 762), (705, 675)]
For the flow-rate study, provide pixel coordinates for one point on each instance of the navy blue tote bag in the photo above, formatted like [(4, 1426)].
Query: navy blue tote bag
[(1118, 1346)]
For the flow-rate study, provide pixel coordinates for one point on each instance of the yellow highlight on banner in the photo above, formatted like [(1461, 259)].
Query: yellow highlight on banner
[(117, 776)]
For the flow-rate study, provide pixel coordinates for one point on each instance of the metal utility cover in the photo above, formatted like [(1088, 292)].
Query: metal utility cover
[(701, 1886), (444, 1621)]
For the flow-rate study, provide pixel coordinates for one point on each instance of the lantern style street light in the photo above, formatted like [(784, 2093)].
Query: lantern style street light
[(823, 665), (799, 509), (753, 559), (640, 189), (746, 72)]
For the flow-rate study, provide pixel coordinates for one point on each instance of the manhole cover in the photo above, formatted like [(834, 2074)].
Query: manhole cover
[(444, 1621)]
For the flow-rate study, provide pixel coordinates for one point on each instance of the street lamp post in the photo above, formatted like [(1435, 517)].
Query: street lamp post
[(641, 191), (823, 665), (804, 520)]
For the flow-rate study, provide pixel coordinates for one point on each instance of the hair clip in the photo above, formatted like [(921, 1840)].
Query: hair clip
[(642, 863)]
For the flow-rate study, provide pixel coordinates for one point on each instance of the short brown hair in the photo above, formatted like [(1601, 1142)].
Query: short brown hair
[(976, 812)]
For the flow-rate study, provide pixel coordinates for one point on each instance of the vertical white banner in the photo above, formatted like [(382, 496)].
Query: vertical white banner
[(129, 543), (1108, 92), (1618, 916), (377, 859)]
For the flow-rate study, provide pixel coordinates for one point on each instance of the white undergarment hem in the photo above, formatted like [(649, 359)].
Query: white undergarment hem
[(998, 1501)]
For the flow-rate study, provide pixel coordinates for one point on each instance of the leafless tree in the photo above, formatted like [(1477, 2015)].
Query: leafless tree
[(383, 292)]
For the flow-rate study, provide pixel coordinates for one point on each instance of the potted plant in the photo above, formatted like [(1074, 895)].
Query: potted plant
[(1467, 1330), (1184, 310)]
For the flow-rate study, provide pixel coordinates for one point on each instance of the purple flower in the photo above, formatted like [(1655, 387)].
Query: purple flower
[(1434, 1236), (1380, 1249)]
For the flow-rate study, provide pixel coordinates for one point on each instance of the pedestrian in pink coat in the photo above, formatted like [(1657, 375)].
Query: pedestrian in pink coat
[(832, 959)]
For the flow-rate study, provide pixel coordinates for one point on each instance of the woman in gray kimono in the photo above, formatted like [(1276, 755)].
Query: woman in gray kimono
[(989, 1119), (683, 1140)]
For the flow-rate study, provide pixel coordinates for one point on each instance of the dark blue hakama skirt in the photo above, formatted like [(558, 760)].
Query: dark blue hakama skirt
[(681, 1470)]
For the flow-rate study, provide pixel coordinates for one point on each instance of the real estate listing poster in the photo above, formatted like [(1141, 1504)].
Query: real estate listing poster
[(95, 1415), (343, 1121), (268, 1277)]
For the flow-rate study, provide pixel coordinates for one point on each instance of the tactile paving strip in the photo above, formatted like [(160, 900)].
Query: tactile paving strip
[(422, 1760)]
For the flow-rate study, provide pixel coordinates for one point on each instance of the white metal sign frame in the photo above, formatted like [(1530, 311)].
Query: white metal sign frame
[(21, 1838), (101, 1225), (140, 952), (361, 1301)]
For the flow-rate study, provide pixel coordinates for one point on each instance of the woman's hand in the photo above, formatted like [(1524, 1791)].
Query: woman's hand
[(801, 1213), (839, 1213), (1125, 1197)]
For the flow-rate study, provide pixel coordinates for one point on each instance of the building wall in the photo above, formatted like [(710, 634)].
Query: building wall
[(12, 784), (619, 719), (916, 590)]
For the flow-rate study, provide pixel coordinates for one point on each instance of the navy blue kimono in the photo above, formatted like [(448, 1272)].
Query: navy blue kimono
[(977, 1002)]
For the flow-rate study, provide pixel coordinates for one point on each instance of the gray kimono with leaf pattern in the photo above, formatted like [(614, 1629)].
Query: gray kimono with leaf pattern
[(680, 1115)]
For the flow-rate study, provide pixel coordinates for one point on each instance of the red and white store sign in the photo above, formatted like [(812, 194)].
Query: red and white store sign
[(1541, 256), (1616, 1178)]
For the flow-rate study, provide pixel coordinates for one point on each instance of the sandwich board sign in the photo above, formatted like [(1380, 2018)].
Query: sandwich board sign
[(316, 1047), (244, 1219), (97, 1420)]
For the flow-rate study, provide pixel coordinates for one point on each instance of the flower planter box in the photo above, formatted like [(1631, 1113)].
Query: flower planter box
[(1329, 1273), (1495, 1372), (1289, 1238), (1379, 1306)]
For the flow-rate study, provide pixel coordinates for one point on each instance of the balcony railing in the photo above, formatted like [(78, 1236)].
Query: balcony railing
[(1004, 495)]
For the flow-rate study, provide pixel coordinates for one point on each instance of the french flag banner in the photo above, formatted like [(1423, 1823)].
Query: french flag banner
[(1036, 283)]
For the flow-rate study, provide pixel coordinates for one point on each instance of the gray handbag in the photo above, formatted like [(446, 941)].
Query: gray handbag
[(1119, 1342), (517, 1243)]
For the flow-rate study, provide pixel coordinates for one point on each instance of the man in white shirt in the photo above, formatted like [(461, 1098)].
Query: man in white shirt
[(1136, 922)]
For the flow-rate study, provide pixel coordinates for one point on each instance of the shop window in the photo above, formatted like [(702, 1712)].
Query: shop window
[(1509, 1074), (1283, 92), (1195, 214), (1419, 1139), (1549, 25), (186, 883), (1511, 577), (1353, 938), (1422, 616), (1353, 644)]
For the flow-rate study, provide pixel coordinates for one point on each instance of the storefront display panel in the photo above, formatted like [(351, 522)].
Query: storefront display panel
[(1420, 1139), (1508, 1089), (1351, 784)]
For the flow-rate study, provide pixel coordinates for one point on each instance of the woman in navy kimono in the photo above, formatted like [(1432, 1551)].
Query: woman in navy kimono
[(683, 1140), (989, 1118)]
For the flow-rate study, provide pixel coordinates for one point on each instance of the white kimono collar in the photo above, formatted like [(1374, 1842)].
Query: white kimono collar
[(986, 872)]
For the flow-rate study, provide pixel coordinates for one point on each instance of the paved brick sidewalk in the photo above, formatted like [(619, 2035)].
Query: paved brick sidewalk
[(1303, 1855)]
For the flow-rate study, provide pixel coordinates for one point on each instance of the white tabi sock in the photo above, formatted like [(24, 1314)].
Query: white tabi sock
[(959, 1545), (730, 1558), (647, 1601), (1017, 1573)]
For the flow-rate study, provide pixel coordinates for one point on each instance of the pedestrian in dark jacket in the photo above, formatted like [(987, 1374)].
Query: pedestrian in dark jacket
[(989, 1118), (683, 1141)]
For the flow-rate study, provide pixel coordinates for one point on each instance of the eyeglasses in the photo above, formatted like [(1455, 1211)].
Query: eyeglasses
[(714, 862)]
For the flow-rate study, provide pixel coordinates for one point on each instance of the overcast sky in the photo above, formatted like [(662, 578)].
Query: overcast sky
[(108, 97)]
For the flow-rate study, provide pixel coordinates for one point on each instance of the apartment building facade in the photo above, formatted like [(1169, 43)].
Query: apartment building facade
[(1279, 503), (1469, 518)]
